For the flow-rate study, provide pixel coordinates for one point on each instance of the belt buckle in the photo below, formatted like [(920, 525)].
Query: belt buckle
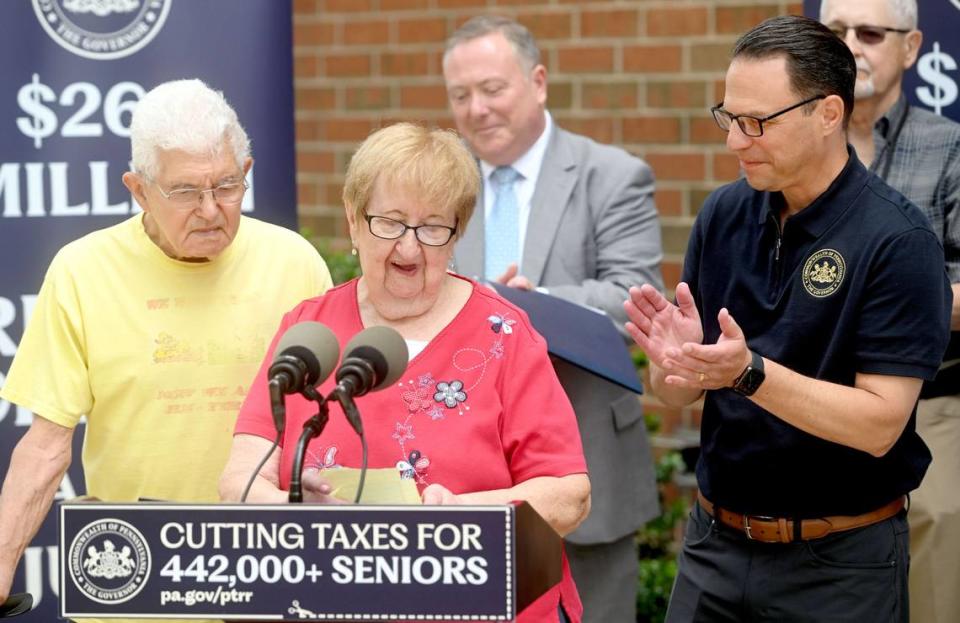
[(746, 523)]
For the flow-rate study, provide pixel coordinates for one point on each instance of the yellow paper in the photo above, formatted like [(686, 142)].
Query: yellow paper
[(381, 486)]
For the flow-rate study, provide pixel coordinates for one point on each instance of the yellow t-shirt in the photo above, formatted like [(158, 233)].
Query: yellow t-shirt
[(156, 352)]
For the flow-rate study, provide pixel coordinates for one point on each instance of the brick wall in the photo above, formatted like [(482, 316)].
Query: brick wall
[(636, 73)]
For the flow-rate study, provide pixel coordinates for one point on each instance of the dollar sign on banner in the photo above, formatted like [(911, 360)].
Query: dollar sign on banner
[(42, 121), (930, 68)]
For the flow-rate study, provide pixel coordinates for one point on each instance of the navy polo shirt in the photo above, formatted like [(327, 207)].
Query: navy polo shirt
[(855, 282)]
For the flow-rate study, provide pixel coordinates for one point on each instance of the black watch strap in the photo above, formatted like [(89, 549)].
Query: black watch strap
[(752, 376)]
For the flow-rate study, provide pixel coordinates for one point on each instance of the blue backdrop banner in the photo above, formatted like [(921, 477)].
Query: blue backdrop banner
[(72, 72), (932, 81)]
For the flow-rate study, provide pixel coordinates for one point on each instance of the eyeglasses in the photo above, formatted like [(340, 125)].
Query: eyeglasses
[(391, 229), (867, 35), (749, 125), (224, 194)]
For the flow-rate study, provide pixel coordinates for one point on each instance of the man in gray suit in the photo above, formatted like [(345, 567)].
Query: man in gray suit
[(564, 215)]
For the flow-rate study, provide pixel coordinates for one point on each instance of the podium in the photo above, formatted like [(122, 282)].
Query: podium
[(290, 562)]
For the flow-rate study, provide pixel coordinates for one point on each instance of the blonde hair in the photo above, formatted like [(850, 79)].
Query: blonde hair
[(433, 164)]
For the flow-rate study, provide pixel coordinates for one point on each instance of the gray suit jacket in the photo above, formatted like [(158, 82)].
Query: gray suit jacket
[(593, 232)]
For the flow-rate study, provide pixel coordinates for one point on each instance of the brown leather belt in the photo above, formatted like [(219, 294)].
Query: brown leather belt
[(783, 530)]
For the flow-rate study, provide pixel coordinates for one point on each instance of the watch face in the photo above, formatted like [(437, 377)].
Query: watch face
[(750, 382)]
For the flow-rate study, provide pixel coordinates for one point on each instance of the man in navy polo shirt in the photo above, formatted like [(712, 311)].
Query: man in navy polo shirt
[(814, 303)]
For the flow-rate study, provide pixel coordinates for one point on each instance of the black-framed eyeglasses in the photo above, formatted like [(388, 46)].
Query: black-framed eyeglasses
[(750, 125), (868, 35), (391, 229), (227, 194)]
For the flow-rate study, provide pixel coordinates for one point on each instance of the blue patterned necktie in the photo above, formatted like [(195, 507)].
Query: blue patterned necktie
[(502, 227)]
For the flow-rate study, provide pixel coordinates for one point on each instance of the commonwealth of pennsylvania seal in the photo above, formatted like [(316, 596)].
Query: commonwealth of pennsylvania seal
[(823, 273), (109, 561), (102, 29)]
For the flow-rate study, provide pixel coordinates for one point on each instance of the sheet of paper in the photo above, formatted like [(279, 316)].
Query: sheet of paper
[(382, 486)]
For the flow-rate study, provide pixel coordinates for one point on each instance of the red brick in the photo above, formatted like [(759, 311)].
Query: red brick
[(347, 129), (586, 60), (309, 98), (305, 66), (548, 25), (423, 96), (346, 6), (304, 7), (668, 166), (306, 130), (651, 130), (600, 130), (617, 95), (422, 30), (710, 56), (404, 63), (315, 162), (677, 94), (726, 167), (312, 34), (669, 202), (307, 192), (609, 23), (403, 5), (367, 98), (739, 19), (652, 58), (672, 271), (365, 33), (339, 65), (456, 4), (677, 22), (704, 130)]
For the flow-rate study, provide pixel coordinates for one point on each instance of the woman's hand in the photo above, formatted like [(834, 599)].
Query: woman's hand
[(316, 489), (438, 494)]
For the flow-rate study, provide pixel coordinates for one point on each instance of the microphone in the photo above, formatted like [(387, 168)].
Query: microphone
[(16, 605), (305, 356), (373, 359)]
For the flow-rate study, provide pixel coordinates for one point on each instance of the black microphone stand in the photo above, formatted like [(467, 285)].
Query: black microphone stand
[(311, 429)]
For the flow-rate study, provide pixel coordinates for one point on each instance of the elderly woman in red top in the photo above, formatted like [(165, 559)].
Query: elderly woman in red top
[(479, 416)]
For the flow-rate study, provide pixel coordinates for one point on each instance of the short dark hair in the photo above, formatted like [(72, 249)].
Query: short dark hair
[(818, 62)]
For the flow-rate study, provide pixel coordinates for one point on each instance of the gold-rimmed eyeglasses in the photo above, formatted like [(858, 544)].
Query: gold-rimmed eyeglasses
[(230, 193)]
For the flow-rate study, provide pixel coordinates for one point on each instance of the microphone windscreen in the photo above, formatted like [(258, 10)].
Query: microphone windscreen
[(314, 344), (384, 348)]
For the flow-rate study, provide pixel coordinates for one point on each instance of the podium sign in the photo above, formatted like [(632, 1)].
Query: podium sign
[(293, 561)]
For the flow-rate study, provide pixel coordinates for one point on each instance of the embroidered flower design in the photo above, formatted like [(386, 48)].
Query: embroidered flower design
[(403, 432), (496, 350), (436, 413), (425, 380), (415, 465), (450, 394), (417, 399), (500, 323), (328, 460)]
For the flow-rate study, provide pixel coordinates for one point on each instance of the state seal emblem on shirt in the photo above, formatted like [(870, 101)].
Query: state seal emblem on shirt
[(109, 561), (823, 273)]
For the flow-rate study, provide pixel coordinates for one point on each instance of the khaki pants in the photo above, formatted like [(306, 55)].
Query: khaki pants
[(935, 517)]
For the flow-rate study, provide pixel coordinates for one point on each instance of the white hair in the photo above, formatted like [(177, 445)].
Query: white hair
[(904, 13), (186, 115)]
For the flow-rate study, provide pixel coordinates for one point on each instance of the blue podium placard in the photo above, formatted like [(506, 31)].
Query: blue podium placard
[(298, 561)]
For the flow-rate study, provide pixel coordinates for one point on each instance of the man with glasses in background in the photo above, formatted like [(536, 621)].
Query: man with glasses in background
[(153, 328), (813, 304), (918, 154), (575, 219)]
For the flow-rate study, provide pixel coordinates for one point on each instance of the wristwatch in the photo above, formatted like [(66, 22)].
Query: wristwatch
[(752, 376)]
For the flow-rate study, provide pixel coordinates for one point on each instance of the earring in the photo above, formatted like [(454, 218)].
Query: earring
[(353, 251)]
